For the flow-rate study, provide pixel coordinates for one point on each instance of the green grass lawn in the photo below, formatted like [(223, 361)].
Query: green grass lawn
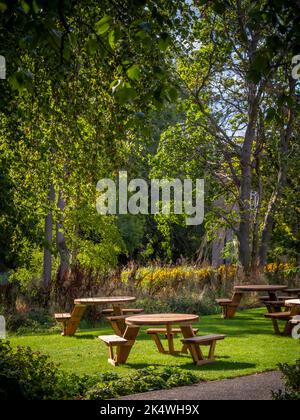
[(250, 347)]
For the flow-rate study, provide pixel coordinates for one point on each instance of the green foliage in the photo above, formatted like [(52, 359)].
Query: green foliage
[(291, 374), (29, 276), (148, 379), (185, 303), (28, 322), (31, 376)]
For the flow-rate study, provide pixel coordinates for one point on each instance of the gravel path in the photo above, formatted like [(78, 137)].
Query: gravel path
[(254, 387)]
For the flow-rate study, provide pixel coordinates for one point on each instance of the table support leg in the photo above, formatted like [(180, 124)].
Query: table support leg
[(120, 325), (74, 321), (123, 351), (187, 332), (170, 337), (273, 297), (158, 343)]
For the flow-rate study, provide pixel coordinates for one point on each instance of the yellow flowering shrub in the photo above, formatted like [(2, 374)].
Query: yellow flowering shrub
[(157, 278)]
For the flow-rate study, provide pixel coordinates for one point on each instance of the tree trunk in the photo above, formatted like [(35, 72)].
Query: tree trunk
[(47, 265), (61, 241), (282, 177), (244, 233)]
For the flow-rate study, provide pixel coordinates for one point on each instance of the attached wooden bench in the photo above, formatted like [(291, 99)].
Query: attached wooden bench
[(279, 298), (164, 331), (274, 306), (281, 316), (154, 332), (123, 344), (63, 319), (194, 345), (229, 306), (112, 341), (71, 321), (125, 311)]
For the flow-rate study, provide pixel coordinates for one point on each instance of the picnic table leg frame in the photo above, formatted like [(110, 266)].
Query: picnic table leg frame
[(123, 351), (159, 345), (188, 332), (273, 297), (74, 321), (120, 325), (170, 338)]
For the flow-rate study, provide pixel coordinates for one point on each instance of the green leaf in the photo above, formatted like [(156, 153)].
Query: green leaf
[(3, 7), (92, 45), (219, 7), (171, 94), (72, 39), (134, 72), (112, 39), (102, 27), (21, 80), (271, 114), (164, 41), (125, 94), (25, 6), (36, 7)]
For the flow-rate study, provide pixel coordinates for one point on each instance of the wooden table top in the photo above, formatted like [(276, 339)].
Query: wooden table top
[(105, 300), (293, 302), (162, 319), (259, 288)]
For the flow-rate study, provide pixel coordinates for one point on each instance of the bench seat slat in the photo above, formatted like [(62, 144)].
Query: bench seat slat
[(164, 330), (203, 339), (112, 340), (62, 316), (285, 316), (125, 311)]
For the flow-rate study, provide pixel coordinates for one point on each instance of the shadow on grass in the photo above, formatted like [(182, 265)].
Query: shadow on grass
[(220, 365), (85, 337)]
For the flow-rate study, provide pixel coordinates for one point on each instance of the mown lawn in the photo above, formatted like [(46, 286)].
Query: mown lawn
[(250, 347)]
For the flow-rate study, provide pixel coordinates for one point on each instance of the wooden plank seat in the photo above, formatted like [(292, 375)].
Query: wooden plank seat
[(275, 305), (280, 316), (194, 346), (62, 317), (164, 331), (283, 316), (266, 298), (222, 302), (112, 341), (229, 306), (154, 332), (71, 321), (109, 311)]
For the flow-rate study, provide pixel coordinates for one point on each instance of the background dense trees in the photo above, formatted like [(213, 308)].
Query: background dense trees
[(161, 88)]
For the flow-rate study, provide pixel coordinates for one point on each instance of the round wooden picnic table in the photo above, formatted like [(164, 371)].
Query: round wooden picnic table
[(184, 321), (258, 288), (72, 321), (112, 300), (162, 319)]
